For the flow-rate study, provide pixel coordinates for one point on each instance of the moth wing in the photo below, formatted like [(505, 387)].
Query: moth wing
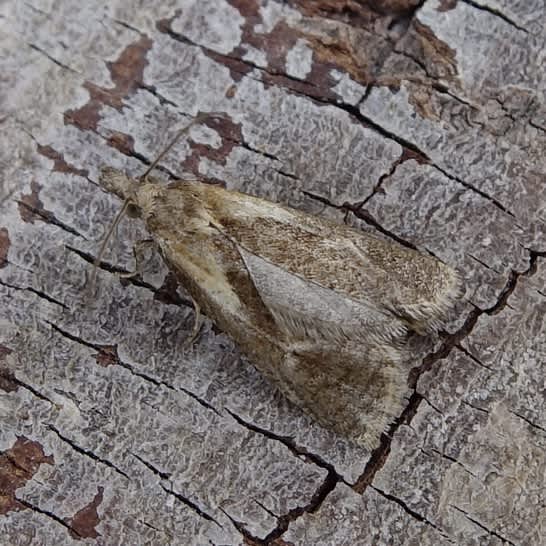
[(403, 282), (343, 364), (355, 390), (307, 310)]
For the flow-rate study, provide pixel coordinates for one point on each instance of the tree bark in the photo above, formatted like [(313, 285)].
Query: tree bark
[(423, 122)]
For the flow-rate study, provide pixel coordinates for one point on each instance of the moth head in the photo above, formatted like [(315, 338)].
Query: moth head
[(117, 182)]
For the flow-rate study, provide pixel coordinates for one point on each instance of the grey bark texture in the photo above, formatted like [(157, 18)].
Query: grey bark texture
[(422, 121)]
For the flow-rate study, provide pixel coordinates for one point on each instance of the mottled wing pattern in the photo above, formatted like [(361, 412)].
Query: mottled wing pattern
[(323, 310), (410, 285)]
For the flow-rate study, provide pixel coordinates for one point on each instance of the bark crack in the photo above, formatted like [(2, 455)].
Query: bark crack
[(150, 466), (14, 379), (453, 460), (50, 515), (279, 77), (86, 452), (474, 407), (170, 298), (528, 421), (496, 13), (283, 521), (131, 369), (289, 443), (167, 476), (190, 504), (473, 188), (52, 59), (37, 10), (380, 454), (473, 357), (49, 218), (481, 262), (364, 215), (411, 512), (38, 293), (482, 526)]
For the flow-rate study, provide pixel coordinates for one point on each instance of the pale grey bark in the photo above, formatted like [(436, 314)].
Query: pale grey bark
[(423, 121)]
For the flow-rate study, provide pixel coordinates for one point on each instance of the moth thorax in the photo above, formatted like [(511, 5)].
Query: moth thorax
[(146, 198)]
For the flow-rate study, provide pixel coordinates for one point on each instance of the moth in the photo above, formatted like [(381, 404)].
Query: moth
[(322, 310)]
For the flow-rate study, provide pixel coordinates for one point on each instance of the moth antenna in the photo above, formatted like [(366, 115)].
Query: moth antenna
[(104, 244), (167, 148), (119, 216)]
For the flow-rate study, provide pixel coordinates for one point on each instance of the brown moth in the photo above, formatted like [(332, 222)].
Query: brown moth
[(322, 310)]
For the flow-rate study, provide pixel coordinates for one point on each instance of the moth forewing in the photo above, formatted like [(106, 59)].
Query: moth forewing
[(322, 310)]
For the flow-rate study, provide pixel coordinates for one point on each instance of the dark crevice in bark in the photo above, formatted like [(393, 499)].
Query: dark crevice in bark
[(528, 421), (128, 26), (248, 147), (266, 509), (131, 369), (380, 181), (482, 263), (14, 379), (288, 442), (51, 58), (167, 476), (496, 13), (38, 293), (455, 461), (106, 266), (444, 90), (190, 504), (288, 175), (249, 538), (441, 87), (153, 91), (168, 297), (451, 341), (430, 404), (129, 152), (362, 215), (482, 526), (50, 515), (381, 453), (150, 466), (150, 526), (473, 188), (476, 408), (411, 512), (37, 10), (472, 357), (49, 218), (536, 126), (6, 261), (199, 400), (165, 29), (327, 486), (355, 112), (86, 452)]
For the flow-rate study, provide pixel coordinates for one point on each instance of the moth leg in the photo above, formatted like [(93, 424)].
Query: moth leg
[(139, 249), (197, 323)]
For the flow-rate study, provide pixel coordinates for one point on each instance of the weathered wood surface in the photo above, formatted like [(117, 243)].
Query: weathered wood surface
[(423, 121)]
